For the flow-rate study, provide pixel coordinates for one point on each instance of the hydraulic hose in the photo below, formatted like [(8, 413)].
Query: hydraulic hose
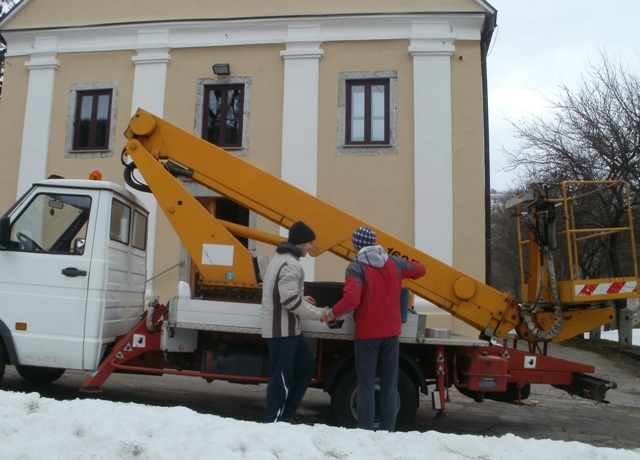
[(131, 181), (558, 320)]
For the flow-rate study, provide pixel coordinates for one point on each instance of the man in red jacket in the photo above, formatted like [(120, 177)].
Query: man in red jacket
[(372, 291)]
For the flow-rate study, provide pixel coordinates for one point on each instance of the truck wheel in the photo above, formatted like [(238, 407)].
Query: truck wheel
[(39, 375), (2, 361), (343, 401)]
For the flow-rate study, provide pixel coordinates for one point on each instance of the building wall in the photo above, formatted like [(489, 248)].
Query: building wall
[(439, 210), (351, 181), (12, 110), (76, 13), (109, 66), (468, 161)]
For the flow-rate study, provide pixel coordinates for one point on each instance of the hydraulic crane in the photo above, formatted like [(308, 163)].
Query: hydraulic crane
[(163, 153)]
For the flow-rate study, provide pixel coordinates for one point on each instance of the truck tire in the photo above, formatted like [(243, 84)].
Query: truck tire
[(2, 361), (343, 401), (39, 375)]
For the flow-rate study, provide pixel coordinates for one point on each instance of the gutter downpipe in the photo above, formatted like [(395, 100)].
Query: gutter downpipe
[(485, 40)]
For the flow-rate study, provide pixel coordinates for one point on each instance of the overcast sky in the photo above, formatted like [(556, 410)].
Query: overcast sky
[(540, 44)]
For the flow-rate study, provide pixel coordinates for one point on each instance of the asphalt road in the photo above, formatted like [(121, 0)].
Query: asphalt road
[(548, 413)]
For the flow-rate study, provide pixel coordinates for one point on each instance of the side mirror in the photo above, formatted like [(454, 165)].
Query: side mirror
[(5, 232), (78, 246)]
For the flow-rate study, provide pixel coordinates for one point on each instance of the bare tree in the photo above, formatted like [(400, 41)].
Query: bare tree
[(5, 7), (593, 134), (3, 51), (505, 275)]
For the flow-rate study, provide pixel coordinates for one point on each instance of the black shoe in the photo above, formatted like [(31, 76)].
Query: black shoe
[(293, 420)]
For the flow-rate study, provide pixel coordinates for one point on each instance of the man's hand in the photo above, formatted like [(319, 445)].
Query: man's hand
[(327, 317), (309, 299)]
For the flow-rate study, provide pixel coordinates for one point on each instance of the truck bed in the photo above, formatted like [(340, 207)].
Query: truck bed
[(246, 318)]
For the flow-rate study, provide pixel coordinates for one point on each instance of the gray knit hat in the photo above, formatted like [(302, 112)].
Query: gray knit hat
[(301, 233), (363, 237)]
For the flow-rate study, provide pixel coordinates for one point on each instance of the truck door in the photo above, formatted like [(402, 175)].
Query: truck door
[(44, 275)]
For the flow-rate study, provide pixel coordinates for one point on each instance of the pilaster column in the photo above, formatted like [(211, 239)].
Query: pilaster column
[(150, 77), (37, 118), (149, 88), (300, 114), (431, 49)]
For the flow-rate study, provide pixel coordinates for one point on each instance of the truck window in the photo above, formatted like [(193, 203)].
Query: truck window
[(53, 223), (139, 230), (120, 222)]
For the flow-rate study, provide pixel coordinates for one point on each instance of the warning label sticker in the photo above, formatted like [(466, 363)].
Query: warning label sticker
[(139, 341)]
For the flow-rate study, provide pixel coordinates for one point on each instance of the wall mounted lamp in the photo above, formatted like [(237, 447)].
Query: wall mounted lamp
[(221, 69)]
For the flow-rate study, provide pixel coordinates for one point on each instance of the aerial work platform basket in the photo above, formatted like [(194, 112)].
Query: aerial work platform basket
[(578, 248)]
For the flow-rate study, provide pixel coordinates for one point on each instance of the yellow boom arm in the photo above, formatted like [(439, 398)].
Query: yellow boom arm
[(162, 152)]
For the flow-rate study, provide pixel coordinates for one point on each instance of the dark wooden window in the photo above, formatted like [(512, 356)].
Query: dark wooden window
[(367, 112), (223, 110), (92, 120)]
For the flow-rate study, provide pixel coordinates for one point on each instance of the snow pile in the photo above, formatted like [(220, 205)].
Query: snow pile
[(39, 428)]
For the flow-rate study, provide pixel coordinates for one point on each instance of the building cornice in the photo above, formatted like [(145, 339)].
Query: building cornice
[(195, 34)]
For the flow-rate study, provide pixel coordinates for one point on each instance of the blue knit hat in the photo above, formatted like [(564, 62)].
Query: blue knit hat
[(363, 237)]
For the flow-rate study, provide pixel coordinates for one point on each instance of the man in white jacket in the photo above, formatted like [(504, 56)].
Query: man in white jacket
[(292, 365)]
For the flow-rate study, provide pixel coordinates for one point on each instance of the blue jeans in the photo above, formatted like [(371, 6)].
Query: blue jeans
[(382, 355), (291, 369)]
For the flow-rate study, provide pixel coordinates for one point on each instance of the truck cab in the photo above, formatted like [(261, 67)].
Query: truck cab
[(72, 273)]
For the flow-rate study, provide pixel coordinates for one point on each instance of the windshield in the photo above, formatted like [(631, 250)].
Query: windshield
[(52, 223)]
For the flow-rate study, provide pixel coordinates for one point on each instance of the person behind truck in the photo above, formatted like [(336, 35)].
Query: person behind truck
[(373, 283), (284, 304)]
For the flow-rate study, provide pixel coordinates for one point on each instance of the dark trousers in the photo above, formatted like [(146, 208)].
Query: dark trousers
[(292, 368), (370, 354)]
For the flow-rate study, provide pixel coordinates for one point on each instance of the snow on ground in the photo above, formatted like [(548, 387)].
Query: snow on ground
[(36, 428), (40, 428), (613, 336)]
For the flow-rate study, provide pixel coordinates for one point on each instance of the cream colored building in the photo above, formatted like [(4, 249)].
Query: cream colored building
[(300, 75)]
